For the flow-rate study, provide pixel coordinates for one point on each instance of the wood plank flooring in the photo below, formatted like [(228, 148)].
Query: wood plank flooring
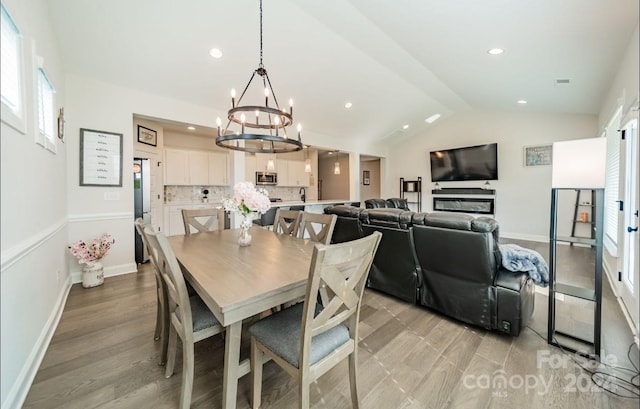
[(103, 356)]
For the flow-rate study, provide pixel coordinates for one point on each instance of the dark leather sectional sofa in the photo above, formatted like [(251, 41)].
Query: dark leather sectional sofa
[(450, 262)]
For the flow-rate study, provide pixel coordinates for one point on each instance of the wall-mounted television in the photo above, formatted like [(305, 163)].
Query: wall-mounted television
[(468, 163)]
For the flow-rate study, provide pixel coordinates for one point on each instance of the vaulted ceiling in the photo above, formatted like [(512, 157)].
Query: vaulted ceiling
[(398, 62)]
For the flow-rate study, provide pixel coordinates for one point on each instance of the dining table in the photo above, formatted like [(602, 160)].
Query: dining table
[(238, 283)]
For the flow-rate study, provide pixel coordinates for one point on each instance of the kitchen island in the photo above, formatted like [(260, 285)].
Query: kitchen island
[(316, 206)]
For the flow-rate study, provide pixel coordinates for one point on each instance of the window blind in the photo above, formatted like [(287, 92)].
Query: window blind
[(10, 65), (45, 105), (611, 185)]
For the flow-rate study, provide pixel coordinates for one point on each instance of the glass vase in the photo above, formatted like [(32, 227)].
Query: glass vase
[(245, 235)]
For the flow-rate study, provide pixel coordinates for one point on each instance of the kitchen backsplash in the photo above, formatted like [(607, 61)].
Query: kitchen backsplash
[(193, 194)]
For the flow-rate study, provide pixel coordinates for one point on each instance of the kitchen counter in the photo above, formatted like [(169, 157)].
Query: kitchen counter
[(309, 203), (316, 206)]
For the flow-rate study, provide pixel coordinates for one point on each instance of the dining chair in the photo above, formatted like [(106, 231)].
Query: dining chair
[(318, 227), (162, 313), (189, 317), (287, 221), (307, 340), (213, 219)]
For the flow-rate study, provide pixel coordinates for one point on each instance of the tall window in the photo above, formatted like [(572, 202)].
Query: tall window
[(45, 110), (12, 85), (611, 184)]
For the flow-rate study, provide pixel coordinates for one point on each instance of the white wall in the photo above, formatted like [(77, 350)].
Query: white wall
[(34, 276), (334, 187), (372, 190), (523, 193)]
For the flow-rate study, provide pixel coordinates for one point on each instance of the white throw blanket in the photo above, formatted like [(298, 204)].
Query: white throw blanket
[(516, 258)]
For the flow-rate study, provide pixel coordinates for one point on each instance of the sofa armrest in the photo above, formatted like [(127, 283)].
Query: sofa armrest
[(515, 301), (510, 280)]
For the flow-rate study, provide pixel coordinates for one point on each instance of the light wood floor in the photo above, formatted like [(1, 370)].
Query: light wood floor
[(103, 356)]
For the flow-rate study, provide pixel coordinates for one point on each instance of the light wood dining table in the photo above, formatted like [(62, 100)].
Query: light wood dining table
[(237, 283)]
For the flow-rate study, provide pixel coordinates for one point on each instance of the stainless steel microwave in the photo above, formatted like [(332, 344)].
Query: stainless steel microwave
[(266, 178)]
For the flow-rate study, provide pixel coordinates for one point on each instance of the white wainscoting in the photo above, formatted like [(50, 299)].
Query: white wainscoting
[(22, 249)]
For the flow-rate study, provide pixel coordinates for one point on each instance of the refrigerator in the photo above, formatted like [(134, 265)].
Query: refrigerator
[(142, 202)]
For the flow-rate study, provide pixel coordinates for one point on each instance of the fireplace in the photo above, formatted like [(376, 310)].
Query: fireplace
[(464, 205)]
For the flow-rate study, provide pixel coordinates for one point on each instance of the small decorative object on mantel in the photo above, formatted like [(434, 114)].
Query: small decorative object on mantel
[(205, 198), (93, 271), (248, 202)]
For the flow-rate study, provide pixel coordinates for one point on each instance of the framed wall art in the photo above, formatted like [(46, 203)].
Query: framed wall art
[(366, 177), (147, 136), (540, 155), (100, 158)]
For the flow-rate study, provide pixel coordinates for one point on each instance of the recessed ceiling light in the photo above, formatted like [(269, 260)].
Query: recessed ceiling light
[(405, 127), (215, 53), (432, 118), (348, 105), (522, 101), (191, 128), (495, 51)]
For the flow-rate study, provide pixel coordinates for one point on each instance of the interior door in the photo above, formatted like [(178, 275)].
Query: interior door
[(629, 258)]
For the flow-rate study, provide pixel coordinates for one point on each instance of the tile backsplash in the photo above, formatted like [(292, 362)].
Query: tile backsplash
[(193, 194)]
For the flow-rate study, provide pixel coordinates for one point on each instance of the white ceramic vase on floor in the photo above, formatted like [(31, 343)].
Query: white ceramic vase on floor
[(92, 274)]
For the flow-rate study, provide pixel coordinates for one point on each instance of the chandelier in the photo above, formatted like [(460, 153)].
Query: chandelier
[(249, 119)]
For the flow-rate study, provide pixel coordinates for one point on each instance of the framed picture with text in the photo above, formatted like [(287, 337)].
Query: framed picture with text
[(100, 158), (540, 155), (147, 136)]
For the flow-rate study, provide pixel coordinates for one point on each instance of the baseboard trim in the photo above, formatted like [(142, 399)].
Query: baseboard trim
[(18, 393), (611, 278), (25, 247), (527, 237), (111, 271)]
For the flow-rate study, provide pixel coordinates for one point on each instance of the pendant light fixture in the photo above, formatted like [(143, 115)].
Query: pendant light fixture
[(256, 116), (336, 166), (307, 162)]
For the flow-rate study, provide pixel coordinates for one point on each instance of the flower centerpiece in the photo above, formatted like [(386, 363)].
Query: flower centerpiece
[(248, 202), (89, 254)]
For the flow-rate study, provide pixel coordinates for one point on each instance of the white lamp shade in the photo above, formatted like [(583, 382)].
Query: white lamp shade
[(579, 164)]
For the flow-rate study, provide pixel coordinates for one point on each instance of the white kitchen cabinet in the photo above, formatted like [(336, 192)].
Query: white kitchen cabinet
[(262, 160), (218, 169), (283, 172), (176, 170), (296, 174), (195, 168), (250, 168), (198, 168)]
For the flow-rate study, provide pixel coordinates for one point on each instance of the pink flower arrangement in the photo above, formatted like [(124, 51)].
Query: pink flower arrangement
[(247, 199), (95, 251)]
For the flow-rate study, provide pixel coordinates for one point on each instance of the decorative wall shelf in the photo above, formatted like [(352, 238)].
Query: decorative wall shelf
[(593, 294), (412, 189)]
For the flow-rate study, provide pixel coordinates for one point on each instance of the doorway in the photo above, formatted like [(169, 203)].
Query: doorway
[(629, 260)]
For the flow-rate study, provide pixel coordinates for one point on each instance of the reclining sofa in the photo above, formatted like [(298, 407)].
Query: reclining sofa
[(449, 262)]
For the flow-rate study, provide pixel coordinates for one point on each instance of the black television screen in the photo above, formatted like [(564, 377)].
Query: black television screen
[(468, 163)]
